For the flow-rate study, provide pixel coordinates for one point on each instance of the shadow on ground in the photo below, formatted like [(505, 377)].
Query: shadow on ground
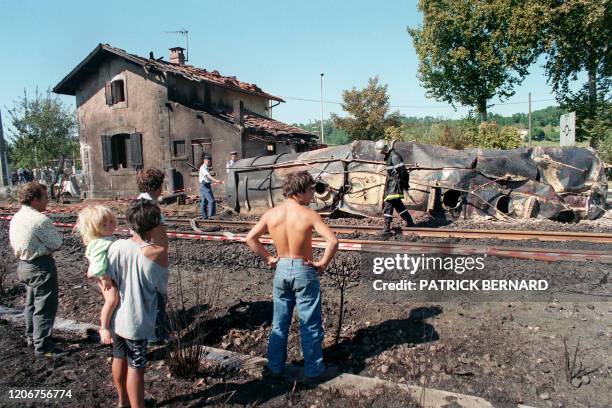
[(366, 343)]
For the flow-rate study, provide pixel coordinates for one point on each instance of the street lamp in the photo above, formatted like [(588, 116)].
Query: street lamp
[(322, 134)]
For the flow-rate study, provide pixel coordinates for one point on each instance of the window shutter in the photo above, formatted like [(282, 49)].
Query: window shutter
[(108, 92), (136, 150), (107, 152)]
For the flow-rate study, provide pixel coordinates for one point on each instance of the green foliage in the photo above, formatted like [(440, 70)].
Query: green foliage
[(541, 117), (43, 131), (333, 135), (471, 51), (599, 127), (552, 136), (605, 149), (490, 135), (454, 137), (456, 134), (337, 137), (538, 134), (577, 41), (508, 138), (368, 112), (393, 133)]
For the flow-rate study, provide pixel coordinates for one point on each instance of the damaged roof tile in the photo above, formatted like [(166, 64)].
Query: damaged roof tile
[(68, 85)]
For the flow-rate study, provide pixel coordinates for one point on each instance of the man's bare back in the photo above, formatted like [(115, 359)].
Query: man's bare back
[(290, 226), (295, 283)]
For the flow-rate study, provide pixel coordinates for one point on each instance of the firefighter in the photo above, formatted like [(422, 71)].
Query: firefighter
[(397, 182)]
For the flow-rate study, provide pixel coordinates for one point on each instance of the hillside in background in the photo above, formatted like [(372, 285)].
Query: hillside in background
[(427, 129)]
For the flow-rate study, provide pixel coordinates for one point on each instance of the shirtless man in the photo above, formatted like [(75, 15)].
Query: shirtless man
[(295, 282)]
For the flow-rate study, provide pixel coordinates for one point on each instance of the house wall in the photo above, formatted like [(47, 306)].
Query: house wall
[(189, 125), (253, 147), (152, 110), (142, 112), (195, 94)]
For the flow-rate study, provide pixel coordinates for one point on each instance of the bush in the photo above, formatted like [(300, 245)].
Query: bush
[(538, 134), (605, 149), (455, 138), (393, 133), (491, 136)]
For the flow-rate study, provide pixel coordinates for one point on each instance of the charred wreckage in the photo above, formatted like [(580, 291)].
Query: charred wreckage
[(560, 183)]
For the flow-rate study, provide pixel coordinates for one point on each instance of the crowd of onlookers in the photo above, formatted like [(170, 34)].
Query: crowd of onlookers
[(132, 275), (21, 176)]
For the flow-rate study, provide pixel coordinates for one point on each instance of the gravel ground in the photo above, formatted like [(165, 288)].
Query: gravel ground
[(505, 351)]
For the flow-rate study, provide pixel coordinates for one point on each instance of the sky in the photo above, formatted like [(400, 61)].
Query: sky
[(281, 45)]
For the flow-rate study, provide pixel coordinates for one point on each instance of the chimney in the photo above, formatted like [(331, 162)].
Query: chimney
[(238, 108), (177, 56)]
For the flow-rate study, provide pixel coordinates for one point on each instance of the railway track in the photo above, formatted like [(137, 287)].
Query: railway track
[(605, 238), (215, 233), (399, 247), (203, 226)]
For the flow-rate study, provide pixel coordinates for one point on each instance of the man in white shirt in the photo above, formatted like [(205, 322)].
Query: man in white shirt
[(208, 207), (233, 159), (34, 239)]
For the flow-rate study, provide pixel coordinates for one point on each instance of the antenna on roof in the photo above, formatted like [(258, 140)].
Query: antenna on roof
[(186, 34)]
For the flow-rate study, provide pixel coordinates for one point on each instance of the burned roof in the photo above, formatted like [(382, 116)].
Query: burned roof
[(69, 84), (264, 126)]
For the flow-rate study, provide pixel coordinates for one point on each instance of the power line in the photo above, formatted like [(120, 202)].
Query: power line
[(413, 106)]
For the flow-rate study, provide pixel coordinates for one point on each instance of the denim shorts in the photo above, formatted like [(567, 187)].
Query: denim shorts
[(134, 350)]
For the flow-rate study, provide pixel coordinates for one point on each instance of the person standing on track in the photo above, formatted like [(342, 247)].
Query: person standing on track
[(139, 268), (290, 226), (34, 239), (208, 207), (397, 182)]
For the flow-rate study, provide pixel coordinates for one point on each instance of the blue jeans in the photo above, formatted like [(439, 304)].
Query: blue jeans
[(207, 201), (294, 284)]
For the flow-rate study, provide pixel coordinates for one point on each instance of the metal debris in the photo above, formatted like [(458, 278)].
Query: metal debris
[(564, 184)]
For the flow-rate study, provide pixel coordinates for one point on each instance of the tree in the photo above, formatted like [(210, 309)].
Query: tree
[(368, 111), (43, 131), (473, 50), (577, 41), (599, 129)]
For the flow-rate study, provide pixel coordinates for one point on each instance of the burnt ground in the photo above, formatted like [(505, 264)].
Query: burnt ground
[(504, 351)]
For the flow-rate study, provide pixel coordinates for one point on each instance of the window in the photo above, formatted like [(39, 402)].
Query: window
[(271, 147), (178, 148), (115, 92), (122, 151), (200, 147), (118, 91)]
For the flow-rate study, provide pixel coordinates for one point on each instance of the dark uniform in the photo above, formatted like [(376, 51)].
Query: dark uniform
[(397, 182)]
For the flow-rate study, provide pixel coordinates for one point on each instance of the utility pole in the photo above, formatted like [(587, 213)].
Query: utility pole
[(4, 176), (529, 131), (322, 134)]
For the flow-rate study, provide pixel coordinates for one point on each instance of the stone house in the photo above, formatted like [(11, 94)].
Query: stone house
[(135, 112)]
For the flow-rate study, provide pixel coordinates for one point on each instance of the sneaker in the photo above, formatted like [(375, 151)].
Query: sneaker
[(329, 373), (29, 342), (53, 353)]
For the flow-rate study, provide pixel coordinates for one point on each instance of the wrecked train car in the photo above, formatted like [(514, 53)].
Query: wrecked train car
[(546, 182)]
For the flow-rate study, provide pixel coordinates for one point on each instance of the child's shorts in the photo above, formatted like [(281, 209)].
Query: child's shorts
[(134, 350)]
